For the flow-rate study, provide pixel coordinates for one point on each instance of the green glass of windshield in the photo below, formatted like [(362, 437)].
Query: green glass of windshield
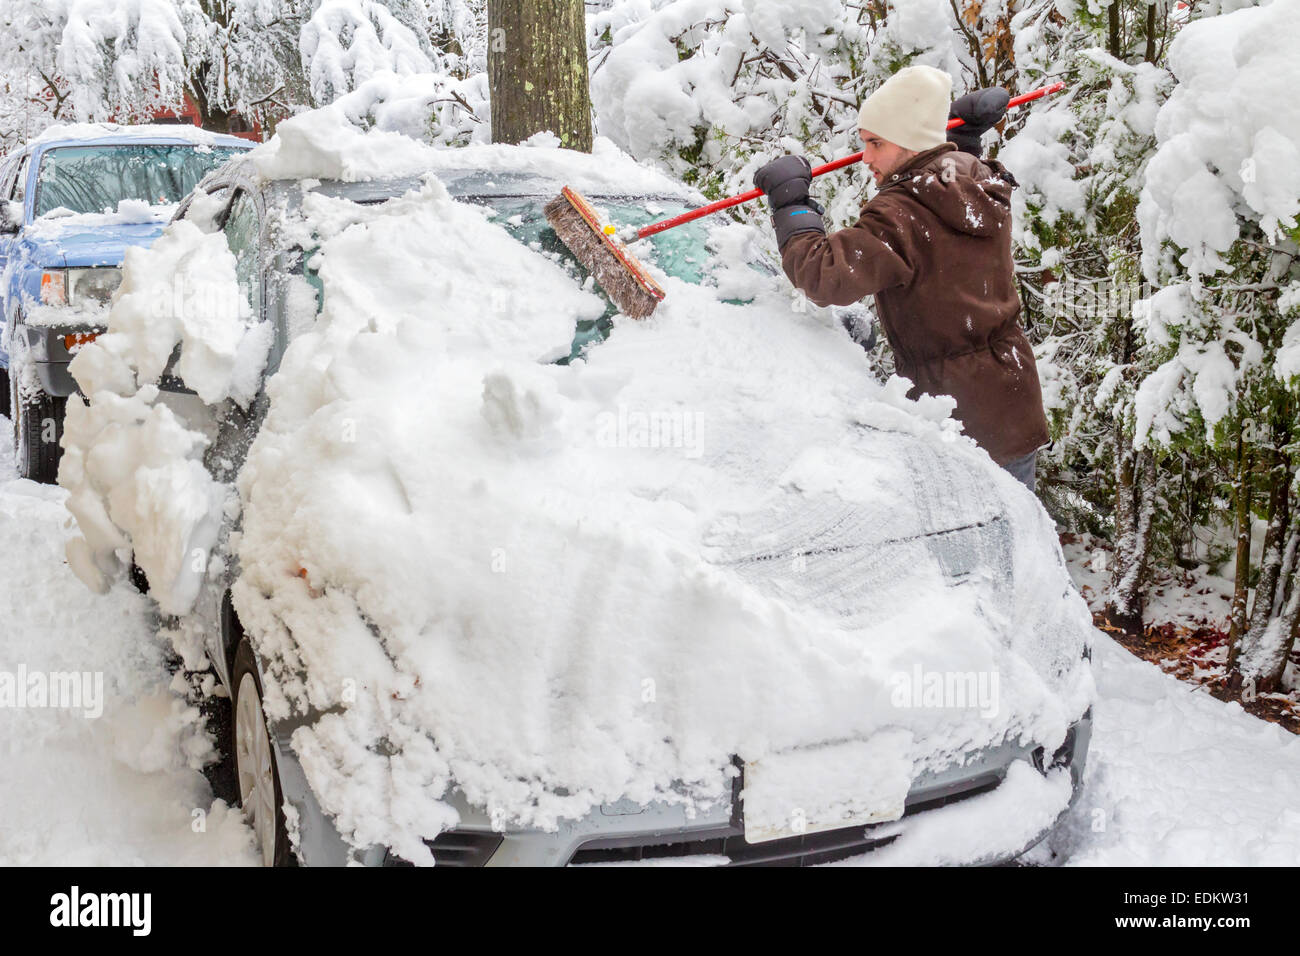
[(681, 252), (94, 179)]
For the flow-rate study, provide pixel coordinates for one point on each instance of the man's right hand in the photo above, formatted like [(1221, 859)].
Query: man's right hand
[(785, 181)]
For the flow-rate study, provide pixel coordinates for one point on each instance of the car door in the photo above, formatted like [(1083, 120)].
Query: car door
[(242, 229), (241, 224), (12, 183), (11, 189)]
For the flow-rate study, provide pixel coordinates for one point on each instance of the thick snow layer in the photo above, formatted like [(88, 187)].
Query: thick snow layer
[(132, 465), (1177, 778), (61, 221), (181, 132), (1229, 137), (117, 788), (992, 826), (560, 585), (379, 131)]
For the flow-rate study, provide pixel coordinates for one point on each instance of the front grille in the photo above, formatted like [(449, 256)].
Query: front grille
[(807, 849), (456, 848)]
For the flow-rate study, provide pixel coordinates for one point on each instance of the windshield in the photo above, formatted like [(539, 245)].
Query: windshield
[(711, 251), (688, 252), (94, 179)]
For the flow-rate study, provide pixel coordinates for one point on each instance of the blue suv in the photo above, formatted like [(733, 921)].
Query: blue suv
[(71, 202)]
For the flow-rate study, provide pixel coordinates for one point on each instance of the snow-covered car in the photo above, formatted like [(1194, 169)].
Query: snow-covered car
[(494, 575), (71, 202)]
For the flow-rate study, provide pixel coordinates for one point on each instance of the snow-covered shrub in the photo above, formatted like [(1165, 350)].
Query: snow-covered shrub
[(1221, 239)]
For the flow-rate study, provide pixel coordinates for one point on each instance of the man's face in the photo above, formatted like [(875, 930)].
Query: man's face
[(881, 156)]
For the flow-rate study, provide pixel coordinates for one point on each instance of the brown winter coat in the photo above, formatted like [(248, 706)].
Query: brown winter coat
[(934, 247)]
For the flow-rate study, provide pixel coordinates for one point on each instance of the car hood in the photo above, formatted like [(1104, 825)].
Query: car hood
[(78, 245)]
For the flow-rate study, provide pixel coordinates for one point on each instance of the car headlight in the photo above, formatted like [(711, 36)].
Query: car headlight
[(93, 285)]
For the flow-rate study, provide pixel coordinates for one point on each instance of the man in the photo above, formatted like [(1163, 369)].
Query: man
[(934, 248)]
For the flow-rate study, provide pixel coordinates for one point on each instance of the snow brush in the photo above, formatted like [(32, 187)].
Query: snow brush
[(602, 249)]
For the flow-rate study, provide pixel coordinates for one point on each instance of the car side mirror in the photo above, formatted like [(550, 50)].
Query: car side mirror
[(11, 216)]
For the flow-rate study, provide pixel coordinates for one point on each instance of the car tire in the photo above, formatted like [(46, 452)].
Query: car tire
[(256, 773), (35, 458), (139, 580)]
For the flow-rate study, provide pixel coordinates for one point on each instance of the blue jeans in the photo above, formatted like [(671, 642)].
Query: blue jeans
[(1024, 469)]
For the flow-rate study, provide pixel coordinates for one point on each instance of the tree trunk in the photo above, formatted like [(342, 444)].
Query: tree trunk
[(1290, 619), (1241, 579), (1150, 55), (1112, 39), (1259, 659), (537, 71), (210, 117), (1134, 506)]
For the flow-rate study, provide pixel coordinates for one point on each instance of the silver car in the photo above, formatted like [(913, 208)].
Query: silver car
[(264, 774)]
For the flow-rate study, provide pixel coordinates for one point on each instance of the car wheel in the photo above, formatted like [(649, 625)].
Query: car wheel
[(256, 771), (34, 422)]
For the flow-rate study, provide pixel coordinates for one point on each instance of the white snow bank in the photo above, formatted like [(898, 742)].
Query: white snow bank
[(118, 789), (1177, 778), (132, 465), (1229, 137)]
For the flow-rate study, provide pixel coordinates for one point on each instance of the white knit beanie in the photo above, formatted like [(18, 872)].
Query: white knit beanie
[(910, 108)]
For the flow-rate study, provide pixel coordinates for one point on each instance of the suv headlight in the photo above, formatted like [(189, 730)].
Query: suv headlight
[(93, 285)]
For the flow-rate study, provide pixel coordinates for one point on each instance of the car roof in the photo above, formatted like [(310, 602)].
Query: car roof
[(466, 182), (106, 134)]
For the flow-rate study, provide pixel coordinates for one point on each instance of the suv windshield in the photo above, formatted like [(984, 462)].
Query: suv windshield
[(94, 179)]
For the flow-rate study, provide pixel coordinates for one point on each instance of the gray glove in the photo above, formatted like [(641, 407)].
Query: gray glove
[(858, 324), (979, 111), (785, 181)]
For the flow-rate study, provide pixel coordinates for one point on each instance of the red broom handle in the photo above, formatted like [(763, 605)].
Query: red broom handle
[(830, 167)]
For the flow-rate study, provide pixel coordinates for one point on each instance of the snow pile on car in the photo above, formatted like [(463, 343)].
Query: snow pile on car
[(557, 586), (91, 131), (392, 126), (133, 462), (61, 220)]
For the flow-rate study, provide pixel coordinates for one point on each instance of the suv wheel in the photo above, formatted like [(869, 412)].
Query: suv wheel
[(255, 767), (34, 422)]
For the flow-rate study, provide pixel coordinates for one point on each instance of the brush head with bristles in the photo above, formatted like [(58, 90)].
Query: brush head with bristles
[(614, 269)]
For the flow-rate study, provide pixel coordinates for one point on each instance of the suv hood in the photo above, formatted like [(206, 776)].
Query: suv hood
[(78, 245)]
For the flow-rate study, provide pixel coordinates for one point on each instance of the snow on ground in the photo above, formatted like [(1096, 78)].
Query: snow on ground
[(108, 790), (1177, 778), (1197, 598)]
